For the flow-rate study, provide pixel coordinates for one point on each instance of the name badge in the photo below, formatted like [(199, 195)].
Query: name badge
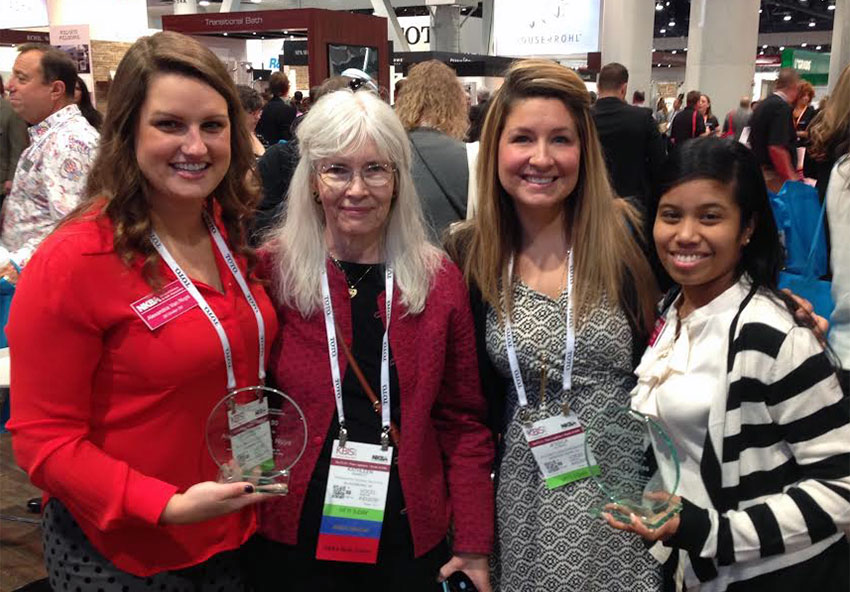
[(157, 309), (557, 444), (251, 435), (355, 501)]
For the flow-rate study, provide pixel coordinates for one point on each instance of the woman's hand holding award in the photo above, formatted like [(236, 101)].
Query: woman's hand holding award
[(257, 434), (638, 467)]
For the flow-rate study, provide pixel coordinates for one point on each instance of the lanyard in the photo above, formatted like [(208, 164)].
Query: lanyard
[(385, 358), (569, 352), (205, 307)]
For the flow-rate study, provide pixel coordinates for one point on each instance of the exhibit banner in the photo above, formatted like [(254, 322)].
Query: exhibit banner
[(545, 27), (74, 40)]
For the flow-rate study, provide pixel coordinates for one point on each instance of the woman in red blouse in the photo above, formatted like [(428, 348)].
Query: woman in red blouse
[(359, 288), (115, 366)]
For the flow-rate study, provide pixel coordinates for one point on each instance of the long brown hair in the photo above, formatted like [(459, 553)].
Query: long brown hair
[(115, 176), (605, 248)]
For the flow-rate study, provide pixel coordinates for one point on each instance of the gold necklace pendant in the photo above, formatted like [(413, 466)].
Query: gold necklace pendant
[(352, 292)]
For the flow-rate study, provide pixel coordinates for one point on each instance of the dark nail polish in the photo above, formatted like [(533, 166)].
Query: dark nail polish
[(249, 489)]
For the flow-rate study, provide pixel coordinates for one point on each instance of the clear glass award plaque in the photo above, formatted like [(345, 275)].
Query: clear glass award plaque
[(638, 466), (257, 434)]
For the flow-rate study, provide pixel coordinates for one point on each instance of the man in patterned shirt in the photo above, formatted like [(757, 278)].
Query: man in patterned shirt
[(51, 174)]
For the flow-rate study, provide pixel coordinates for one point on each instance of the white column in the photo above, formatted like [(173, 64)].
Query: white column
[(722, 47), (185, 7), (445, 28), (627, 39), (840, 53)]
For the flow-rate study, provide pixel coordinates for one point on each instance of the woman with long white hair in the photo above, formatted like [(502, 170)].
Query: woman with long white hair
[(368, 306)]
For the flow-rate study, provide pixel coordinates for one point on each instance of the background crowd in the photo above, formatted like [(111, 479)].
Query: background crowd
[(543, 254)]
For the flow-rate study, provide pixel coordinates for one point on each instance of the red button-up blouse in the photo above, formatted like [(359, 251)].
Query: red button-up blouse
[(108, 416)]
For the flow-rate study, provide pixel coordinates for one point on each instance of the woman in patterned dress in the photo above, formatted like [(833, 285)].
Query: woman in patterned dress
[(551, 229)]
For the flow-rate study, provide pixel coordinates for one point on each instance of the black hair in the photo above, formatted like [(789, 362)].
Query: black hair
[(732, 164), (55, 65), (92, 115)]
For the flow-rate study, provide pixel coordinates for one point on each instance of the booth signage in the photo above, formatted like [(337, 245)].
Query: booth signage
[(811, 65), (295, 53), (15, 37), (545, 27), (417, 31)]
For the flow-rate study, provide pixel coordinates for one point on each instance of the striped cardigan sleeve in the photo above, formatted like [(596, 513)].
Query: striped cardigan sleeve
[(785, 464)]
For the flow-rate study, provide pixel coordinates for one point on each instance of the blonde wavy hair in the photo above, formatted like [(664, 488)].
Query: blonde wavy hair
[(432, 96), (341, 123), (831, 127), (602, 227)]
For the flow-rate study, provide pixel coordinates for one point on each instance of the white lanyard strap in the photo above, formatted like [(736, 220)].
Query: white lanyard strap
[(240, 279), (327, 306), (205, 307), (569, 351)]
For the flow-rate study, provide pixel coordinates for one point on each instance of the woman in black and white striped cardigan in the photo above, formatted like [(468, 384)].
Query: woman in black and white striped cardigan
[(763, 432)]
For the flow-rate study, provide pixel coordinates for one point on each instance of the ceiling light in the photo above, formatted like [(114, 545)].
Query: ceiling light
[(659, 6), (819, 47), (803, 44), (225, 33), (674, 52), (662, 31), (811, 23), (764, 46), (831, 7), (671, 24), (781, 48), (203, 2), (253, 32), (759, 10), (686, 49), (669, 66), (761, 52), (786, 18)]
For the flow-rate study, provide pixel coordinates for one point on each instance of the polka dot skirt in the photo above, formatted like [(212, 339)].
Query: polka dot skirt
[(74, 565)]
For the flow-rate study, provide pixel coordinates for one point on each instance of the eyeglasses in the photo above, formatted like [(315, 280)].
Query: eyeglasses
[(338, 176)]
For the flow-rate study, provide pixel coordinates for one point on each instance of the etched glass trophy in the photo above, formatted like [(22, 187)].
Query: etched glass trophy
[(638, 466), (257, 434)]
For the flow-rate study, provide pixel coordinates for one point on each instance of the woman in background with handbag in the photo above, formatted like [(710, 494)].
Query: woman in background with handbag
[(351, 269)]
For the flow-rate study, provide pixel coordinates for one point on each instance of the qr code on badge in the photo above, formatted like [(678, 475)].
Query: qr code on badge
[(340, 492), (552, 465)]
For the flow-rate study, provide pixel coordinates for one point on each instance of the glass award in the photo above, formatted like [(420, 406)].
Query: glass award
[(638, 467), (257, 434)]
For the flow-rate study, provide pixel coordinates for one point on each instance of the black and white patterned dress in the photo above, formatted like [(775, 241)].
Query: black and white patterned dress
[(547, 539)]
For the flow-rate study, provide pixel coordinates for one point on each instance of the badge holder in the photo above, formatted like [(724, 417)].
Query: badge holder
[(257, 434)]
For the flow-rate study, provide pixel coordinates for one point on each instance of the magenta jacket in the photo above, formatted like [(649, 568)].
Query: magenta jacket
[(446, 450)]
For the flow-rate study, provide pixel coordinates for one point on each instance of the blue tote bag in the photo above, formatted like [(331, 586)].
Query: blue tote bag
[(799, 216), (803, 279)]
